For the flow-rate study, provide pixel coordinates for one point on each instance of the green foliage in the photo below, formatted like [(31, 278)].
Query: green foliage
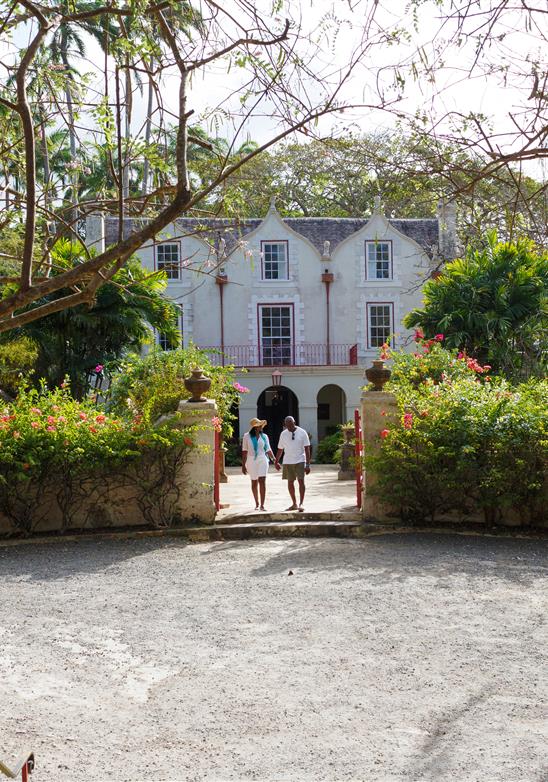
[(493, 304), (462, 440), (154, 385), (17, 360), (52, 443), (74, 341), (326, 451)]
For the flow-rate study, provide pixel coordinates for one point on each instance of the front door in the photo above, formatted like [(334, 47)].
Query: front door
[(274, 405)]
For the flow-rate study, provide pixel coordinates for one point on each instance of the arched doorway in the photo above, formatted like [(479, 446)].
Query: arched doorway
[(274, 404), (331, 401)]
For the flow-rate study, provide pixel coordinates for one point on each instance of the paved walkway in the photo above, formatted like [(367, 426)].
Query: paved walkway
[(324, 494)]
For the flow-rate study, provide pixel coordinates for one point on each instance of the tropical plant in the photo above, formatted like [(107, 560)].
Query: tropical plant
[(72, 343), (154, 384), (493, 303), (462, 442)]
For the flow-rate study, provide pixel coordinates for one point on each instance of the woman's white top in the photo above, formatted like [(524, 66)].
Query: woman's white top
[(257, 467)]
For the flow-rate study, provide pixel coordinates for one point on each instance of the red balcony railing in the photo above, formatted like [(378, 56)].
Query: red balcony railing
[(304, 354)]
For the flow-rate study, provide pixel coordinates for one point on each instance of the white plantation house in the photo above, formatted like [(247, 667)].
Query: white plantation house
[(303, 304)]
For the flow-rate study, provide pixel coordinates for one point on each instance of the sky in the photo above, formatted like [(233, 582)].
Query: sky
[(333, 30)]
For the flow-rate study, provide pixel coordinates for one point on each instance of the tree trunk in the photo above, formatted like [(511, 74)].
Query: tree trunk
[(127, 134), (148, 129)]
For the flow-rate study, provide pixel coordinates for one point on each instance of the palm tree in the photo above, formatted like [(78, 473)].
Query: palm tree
[(73, 342), (66, 42)]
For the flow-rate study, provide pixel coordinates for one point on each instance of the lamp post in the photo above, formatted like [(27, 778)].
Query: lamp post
[(276, 378)]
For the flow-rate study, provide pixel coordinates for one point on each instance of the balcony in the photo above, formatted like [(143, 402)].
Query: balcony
[(304, 354)]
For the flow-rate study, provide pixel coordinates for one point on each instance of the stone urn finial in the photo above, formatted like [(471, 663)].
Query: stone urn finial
[(377, 375), (197, 384)]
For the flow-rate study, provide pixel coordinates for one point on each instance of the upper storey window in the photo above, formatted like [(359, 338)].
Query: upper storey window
[(168, 259), (275, 261), (378, 260)]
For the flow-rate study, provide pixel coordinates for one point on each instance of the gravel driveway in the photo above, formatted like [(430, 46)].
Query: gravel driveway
[(400, 657)]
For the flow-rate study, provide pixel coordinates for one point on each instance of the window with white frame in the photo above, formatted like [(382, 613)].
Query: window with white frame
[(275, 261), (276, 330), (380, 324), (168, 259), (378, 260), (163, 340)]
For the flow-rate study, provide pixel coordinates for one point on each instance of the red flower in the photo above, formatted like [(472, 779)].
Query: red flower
[(26, 466), (419, 334), (93, 429), (188, 441), (383, 412), (100, 418), (385, 433), (439, 337), (51, 419), (82, 416), (408, 420)]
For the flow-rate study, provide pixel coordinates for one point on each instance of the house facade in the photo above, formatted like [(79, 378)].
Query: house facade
[(301, 304)]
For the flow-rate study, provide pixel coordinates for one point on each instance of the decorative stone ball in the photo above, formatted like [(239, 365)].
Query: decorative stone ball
[(198, 384)]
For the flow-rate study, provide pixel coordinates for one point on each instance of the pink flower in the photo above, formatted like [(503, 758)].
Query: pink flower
[(419, 334), (385, 351), (240, 389), (62, 419), (408, 420), (36, 411), (51, 419), (439, 337), (51, 429), (383, 412), (385, 433), (99, 368), (217, 423), (55, 408), (460, 355), (82, 416), (34, 424)]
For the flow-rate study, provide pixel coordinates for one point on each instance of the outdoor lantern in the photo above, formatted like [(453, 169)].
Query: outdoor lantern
[(276, 378)]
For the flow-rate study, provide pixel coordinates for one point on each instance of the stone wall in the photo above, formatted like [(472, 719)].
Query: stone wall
[(157, 491)]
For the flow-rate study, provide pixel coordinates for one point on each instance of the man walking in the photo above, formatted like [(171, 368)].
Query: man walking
[(295, 447)]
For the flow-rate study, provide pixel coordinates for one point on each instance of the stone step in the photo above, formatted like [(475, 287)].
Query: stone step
[(276, 529), (286, 516)]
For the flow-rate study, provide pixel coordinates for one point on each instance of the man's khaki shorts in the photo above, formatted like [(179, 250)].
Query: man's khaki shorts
[(293, 472)]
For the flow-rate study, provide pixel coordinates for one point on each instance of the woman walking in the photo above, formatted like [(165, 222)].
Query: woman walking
[(256, 454)]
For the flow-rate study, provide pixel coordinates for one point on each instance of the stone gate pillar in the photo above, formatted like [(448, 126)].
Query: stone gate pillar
[(378, 411), (197, 476)]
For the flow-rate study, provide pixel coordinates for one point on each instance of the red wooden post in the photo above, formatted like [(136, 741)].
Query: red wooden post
[(358, 458), (217, 467), (24, 773)]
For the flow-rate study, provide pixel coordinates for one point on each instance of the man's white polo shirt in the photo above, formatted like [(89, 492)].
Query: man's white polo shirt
[(293, 447)]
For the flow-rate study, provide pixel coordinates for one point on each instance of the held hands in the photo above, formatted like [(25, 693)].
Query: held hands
[(277, 465)]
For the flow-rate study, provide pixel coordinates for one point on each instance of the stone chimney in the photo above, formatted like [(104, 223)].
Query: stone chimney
[(95, 231), (447, 221)]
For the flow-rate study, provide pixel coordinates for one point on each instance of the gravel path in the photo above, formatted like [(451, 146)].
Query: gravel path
[(401, 657)]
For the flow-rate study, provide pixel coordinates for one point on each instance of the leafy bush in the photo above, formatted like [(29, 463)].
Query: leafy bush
[(51, 443), (154, 385), (462, 440), (328, 449)]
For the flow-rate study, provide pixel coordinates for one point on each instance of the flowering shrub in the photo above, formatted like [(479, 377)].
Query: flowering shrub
[(154, 385), (462, 440), (51, 443)]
